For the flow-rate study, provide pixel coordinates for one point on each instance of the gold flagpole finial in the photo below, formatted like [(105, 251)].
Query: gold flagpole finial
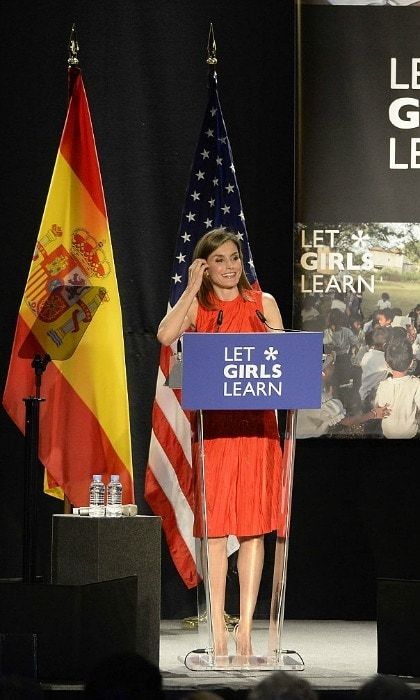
[(73, 47), (211, 48)]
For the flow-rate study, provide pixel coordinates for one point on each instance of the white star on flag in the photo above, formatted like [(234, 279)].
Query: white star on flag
[(205, 153), (219, 160), (229, 188), (200, 175), (209, 133), (225, 209), (190, 216), (176, 278), (209, 223), (195, 195), (180, 258), (186, 237)]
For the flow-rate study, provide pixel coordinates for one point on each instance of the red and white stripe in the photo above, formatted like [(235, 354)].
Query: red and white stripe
[(169, 479)]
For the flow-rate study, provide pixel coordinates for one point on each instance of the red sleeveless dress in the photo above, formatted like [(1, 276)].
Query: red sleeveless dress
[(242, 448)]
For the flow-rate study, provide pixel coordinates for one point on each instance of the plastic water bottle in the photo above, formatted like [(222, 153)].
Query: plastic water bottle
[(97, 497), (114, 497)]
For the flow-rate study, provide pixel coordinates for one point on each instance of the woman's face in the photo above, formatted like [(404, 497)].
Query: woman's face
[(224, 266)]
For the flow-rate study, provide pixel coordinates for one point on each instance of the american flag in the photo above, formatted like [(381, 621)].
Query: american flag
[(212, 201)]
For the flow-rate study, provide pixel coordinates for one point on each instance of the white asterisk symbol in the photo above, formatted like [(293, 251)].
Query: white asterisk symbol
[(271, 353), (361, 239)]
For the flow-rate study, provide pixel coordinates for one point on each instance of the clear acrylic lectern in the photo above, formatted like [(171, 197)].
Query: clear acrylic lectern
[(246, 372)]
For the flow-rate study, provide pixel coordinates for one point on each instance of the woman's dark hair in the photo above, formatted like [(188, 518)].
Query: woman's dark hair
[(399, 354), (205, 247)]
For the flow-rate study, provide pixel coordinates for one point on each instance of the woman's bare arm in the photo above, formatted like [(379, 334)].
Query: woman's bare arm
[(184, 313)]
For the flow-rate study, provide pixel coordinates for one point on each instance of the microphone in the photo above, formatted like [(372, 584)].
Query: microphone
[(263, 320), (174, 378), (219, 320), (261, 316)]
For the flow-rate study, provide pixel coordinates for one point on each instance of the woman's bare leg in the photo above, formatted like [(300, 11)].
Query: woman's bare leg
[(250, 564), (218, 563)]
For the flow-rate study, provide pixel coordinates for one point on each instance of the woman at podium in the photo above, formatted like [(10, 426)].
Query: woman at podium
[(242, 449)]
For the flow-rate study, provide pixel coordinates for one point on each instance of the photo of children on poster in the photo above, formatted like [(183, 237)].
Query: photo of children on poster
[(359, 283)]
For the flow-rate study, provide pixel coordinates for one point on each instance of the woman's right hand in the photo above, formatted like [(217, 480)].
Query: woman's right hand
[(195, 274), (183, 315)]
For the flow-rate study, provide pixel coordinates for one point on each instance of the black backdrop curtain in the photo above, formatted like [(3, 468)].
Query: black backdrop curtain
[(144, 70)]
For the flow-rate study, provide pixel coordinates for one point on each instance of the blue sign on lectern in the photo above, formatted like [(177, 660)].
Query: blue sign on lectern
[(251, 370)]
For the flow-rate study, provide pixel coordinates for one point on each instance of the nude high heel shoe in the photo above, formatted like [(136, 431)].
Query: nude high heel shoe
[(243, 646)]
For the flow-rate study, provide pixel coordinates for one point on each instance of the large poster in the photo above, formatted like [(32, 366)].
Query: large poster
[(357, 240)]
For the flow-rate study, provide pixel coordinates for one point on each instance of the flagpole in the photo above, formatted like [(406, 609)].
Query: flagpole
[(211, 47), (73, 47), (31, 473), (32, 404), (72, 60)]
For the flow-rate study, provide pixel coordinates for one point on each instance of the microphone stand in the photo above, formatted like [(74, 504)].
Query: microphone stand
[(32, 472)]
